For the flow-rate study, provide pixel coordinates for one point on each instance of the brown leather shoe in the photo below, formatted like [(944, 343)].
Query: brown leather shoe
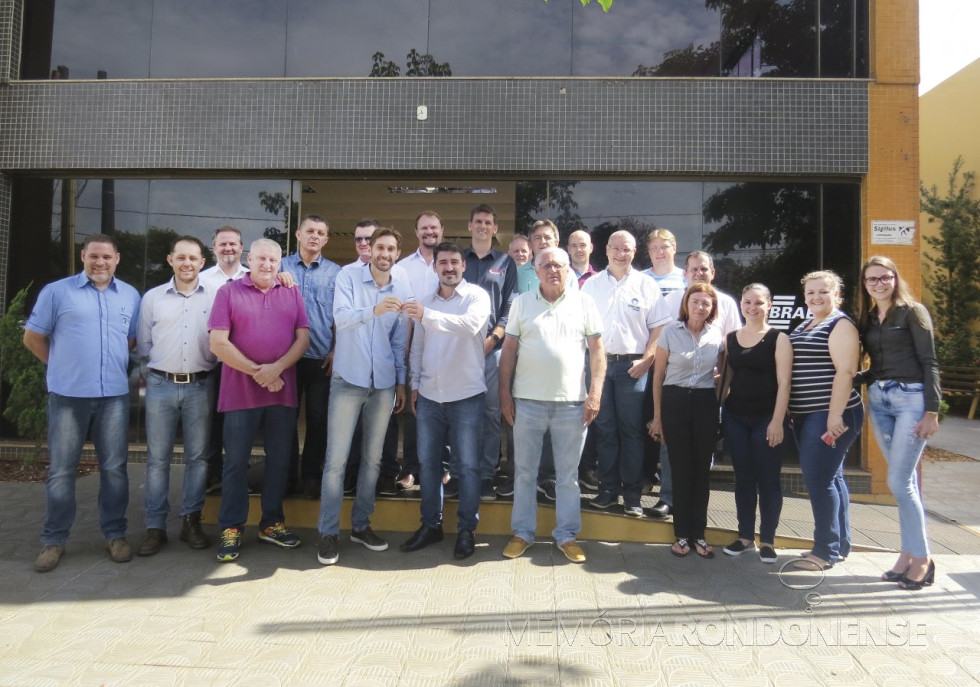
[(151, 543), (191, 532), (119, 550), (49, 558)]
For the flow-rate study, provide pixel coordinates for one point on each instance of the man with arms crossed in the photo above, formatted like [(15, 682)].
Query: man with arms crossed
[(259, 330), (633, 313), (448, 387), (544, 356), (83, 327), (173, 340), (368, 382)]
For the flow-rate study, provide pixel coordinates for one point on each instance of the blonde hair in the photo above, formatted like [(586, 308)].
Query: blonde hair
[(833, 280)]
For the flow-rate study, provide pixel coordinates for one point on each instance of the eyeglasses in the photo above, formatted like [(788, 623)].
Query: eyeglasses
[(661, 249), (884, 279), (362, 239)]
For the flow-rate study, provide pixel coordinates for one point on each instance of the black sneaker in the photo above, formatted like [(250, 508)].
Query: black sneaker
[(633, 511), (368, 538), (387, 486), (506, 488), (350, 485), (738, 547), (603, 500), (589, 480), (548, 489), (326, 550), (486, 490), (767, 554), (450, 488)]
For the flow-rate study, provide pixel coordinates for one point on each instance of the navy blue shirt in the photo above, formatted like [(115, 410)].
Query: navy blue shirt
[(496, 272)]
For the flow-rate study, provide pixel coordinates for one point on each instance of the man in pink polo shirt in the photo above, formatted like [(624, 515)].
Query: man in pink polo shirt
[(259, 330)]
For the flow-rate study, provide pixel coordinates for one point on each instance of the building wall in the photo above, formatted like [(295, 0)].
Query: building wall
[(948, 129), (891, 187), (582, 126)]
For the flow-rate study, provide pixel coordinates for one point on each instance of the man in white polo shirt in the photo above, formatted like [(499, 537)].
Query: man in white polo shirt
[(633, 313), (548, 332)]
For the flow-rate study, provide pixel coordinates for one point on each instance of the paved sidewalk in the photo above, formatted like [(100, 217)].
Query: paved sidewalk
[(632, 615)]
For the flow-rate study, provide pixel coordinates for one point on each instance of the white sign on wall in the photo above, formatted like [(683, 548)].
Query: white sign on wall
[(892, 232)]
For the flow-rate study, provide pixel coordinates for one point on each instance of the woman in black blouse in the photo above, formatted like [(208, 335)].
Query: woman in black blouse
[(903, 401), (760, 363)]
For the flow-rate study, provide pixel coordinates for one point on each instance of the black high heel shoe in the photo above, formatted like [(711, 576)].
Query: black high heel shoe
[(916, 585), (892, 576)]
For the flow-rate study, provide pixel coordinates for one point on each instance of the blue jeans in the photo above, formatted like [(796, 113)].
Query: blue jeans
[(279, 428), (490, 444), (757, 467), (462, 423), (823, 476), (533, 419), (620, 430), (895, 408), (167, 403), (347, 403), (69, 420)]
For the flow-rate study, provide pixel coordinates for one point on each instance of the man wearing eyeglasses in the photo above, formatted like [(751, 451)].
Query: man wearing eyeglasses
[(662, 247), (544, 356), (633, 312)]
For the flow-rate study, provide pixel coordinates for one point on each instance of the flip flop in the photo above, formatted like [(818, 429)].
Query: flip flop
[(682, 548)]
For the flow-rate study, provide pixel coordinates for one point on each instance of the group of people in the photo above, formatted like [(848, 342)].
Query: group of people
[(567, 356)]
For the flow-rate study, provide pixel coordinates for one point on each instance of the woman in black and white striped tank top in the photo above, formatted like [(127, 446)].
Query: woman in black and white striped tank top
[(827, 412)]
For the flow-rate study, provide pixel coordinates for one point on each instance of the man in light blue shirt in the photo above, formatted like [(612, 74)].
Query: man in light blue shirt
[(82, 328), (368, 381), (315, 277)]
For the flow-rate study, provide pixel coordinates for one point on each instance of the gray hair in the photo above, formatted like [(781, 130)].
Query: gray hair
[(265, 243), (559, 254)]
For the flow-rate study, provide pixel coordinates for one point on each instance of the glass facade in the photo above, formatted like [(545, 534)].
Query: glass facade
[(136, 39)]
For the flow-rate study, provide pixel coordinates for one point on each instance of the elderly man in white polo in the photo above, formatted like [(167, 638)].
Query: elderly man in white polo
[(548, 332)]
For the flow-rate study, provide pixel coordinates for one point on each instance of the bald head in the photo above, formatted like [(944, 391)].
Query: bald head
[(580, 250)]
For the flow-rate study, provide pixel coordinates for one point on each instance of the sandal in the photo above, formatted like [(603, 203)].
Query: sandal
[(815, 561), (680, 548), (702, 548)]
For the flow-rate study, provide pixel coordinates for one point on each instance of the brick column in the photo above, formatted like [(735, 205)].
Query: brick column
[(890, 191)]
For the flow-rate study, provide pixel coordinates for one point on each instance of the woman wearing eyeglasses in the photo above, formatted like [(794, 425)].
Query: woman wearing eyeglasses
[(903, 400)]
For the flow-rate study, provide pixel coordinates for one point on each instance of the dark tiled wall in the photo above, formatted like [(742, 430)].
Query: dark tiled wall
[(11, 18), (728, 127)]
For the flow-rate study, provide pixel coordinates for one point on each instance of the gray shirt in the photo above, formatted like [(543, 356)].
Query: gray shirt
[(691, 362), (173, 329)]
